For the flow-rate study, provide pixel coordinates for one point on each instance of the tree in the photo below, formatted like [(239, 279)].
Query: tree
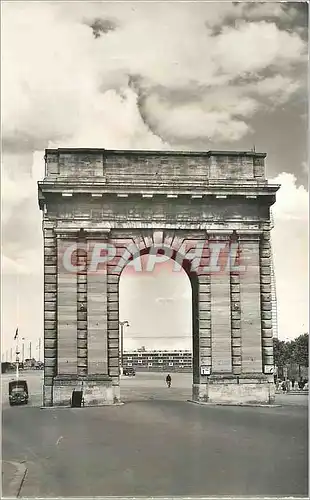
[(300, 350), (281, 352)]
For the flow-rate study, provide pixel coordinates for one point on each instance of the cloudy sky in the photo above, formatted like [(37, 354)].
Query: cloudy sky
[(152, 76)]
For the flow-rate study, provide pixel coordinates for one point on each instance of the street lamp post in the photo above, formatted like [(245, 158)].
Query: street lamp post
[(39, 349), (122, 324), (17, 362)]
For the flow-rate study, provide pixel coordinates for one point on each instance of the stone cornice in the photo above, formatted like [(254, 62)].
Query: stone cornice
[(210, 231), (156, 189), (148, 152), (241, 234), (89, 233)]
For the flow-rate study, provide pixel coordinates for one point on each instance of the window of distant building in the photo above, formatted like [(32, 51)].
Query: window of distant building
[(160, 361), (181, 361), (150, 364), (150, 357), (129, 358), (170, 364), (139, 360), (129, 364), (139, 354)]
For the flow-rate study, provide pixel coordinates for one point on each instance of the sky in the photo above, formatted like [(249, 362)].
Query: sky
[(160, 75)]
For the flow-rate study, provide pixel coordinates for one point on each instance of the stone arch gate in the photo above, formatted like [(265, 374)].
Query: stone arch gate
[(212, 209)]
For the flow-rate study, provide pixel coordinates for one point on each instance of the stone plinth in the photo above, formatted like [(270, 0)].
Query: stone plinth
[(245, 389), (97, 391)]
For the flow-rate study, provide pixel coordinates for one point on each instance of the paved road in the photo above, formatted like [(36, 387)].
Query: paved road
[(144, 386), (159, 446)]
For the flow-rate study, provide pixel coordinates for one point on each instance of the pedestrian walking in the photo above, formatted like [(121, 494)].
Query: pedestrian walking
[(284, 386), (293, 383), (168, 380)]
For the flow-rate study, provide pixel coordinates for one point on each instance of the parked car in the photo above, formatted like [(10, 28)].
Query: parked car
[(18, 392), (129, 372)]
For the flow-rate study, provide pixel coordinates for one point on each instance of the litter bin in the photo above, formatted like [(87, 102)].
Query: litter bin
[(76, 400)]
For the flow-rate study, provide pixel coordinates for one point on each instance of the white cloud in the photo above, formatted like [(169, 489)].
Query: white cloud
[(63, 87), (292, 200), (278, 87), (12, 267), (305, 167), (237, 49), (290, 246), (192, 121)]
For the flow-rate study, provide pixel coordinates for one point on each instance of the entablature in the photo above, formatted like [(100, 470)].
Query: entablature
[(219, 191)]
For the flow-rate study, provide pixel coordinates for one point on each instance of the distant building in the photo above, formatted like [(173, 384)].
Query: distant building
[(158, 360)]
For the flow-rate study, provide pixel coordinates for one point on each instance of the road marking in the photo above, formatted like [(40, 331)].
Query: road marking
[(58, 440)]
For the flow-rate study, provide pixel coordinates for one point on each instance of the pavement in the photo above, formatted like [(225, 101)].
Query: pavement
[(13, 476), (156, 444)]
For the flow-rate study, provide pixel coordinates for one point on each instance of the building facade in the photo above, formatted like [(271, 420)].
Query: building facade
[(159, 360), (210, 211)]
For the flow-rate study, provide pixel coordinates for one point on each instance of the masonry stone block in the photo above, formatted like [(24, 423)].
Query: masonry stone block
[(232, 330)]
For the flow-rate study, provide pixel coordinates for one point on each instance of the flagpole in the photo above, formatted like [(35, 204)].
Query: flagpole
[(17, 355), (17, 321)]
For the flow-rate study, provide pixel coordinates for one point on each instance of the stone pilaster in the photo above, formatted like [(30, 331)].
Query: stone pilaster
[(113, 322), (82, 261), (97, 316), (220, 305), (235, 305), (204, 311), (67, 304), (50, 311), (266, 303), (250, 319)]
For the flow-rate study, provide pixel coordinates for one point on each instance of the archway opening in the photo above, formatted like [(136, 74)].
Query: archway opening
[(158, 329)]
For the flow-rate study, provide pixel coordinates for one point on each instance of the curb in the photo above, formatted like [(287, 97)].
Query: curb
[(294, 393), (59, 407), (15, 485), (235, 404)]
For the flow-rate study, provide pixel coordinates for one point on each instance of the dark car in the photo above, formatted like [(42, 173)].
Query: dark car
[(129, 372), (18, 392)]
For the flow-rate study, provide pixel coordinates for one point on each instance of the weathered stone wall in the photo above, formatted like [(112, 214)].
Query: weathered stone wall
[(250, 319), (152, 198), (182, 210), (174, 168), (97, 315), (266, 305), (50, 311), (67, 281), (221, 315)]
